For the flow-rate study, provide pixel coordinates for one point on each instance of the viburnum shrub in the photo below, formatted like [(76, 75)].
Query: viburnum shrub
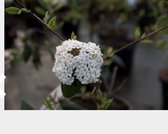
[(79, 64)]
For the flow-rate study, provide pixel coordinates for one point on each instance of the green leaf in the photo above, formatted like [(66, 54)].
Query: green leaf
[(26, 106), (52, 22), (40, 11), (109, 52), (24, 10), (70, 90), (73, 36), (143, 35), (147, 41), (46, 17), (105, 105), (48, 103), (137, 32), (13, 10), (58, 6), (162, 21), (66, 104)]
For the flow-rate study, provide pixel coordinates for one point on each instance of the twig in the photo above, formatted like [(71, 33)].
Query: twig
[(94, 89), (35, 16), (97, 89), (140, 39)]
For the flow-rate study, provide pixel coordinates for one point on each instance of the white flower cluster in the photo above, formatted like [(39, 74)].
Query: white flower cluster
[(78, 60)]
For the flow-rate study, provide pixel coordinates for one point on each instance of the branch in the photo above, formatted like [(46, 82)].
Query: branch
[(41, 21), (140, 39)]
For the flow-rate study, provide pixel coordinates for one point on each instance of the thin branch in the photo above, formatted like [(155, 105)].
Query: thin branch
[(61, 38), (41, 21), (93, 91), (140, 39), (97, 89)]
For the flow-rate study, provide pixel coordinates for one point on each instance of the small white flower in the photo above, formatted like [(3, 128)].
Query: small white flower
[(78, 60)]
